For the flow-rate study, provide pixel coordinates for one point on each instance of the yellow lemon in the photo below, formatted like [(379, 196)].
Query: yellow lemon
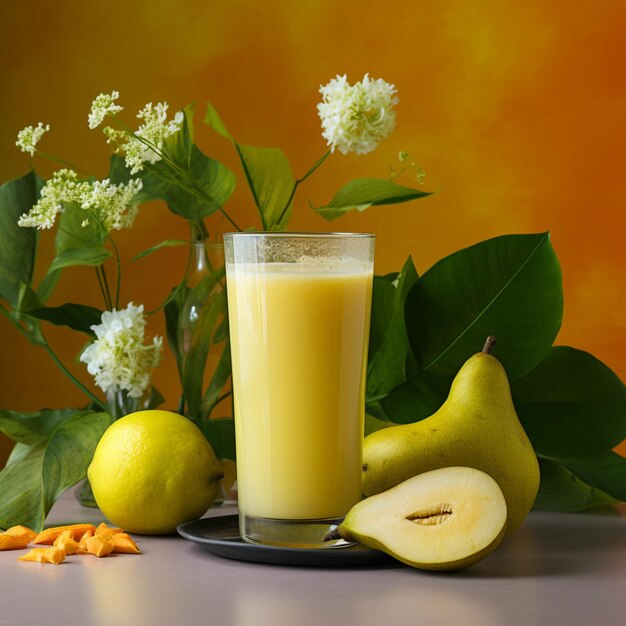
[(153, 470)]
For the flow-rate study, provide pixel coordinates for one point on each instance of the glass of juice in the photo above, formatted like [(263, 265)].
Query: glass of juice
[(299, 314)]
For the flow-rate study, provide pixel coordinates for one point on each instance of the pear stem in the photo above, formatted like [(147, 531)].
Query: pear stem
[(489, 344)]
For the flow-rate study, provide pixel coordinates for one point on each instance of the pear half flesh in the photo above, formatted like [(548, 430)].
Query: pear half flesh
[(445, 519)]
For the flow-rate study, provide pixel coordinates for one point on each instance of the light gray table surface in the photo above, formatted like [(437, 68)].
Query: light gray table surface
[(557, 568)]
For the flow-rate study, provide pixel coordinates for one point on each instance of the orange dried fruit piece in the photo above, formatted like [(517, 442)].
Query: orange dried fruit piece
[(48, 535), (106, 531), (82, 545), (44, 555), (66, 542), (124, 544), (16, 537), (97, 545)]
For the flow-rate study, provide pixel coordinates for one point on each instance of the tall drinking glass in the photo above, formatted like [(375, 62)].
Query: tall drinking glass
[(299, 313)]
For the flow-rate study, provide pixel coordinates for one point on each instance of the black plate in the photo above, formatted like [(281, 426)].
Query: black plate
[(220, 536)]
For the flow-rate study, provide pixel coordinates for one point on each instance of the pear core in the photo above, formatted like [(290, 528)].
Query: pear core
[(444, 519)]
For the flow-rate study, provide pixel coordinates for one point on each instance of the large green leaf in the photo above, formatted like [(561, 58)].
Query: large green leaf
[(268, 175), (72, 257), (74, 232), (17, 244), (35, 427), (213, 184), (414, 400), (571, 405), (606, 471), (560, 490), (509, 286), (389, 347), (36, 475), (78, 317), (362, 193)]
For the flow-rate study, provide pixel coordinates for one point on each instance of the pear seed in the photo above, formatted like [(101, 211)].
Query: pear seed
[(432, 516)]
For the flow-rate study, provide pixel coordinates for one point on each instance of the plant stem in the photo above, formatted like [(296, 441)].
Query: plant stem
[(218, 400), (71, 376), (102, 291), (119, 272), (489, 344), (55, 358), (106, 286), (61, 161), (301, 180)]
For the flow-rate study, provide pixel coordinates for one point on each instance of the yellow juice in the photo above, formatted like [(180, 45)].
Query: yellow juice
[(299, 353)]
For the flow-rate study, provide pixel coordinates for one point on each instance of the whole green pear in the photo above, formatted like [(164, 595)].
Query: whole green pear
[(476, 426)]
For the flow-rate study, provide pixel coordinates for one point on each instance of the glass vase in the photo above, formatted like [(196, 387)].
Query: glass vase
[(204, 346), (203, 336)]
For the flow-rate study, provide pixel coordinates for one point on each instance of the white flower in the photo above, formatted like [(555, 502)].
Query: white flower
[(355, 118), (102, 106), (118, 358), (29, 137), (111, 203), (145, 144), (60, 188)]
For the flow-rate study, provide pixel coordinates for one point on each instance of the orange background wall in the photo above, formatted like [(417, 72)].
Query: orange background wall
[(515, 111)]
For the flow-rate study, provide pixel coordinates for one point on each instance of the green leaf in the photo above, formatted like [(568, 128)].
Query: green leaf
[(78, 317), (571, 405), (72, 257), (33, 428), (414, 400), (74, 233), (161, 182), (560, 490), (213, 120), (509, 286), (172, 310), (372, 424), (220, 433), (168, 243), (36, 475), (17, 244), (268, 175), (270, 179), (155, 399), (606, 471), (388, 347), (362, 193), (178, 146), (220, 377)]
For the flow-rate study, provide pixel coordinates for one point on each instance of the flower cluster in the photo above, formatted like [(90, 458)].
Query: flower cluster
[(103, 105), (118, 358), (111, 204), (145, 145), (59, 189), (28, 138), (355, 118)]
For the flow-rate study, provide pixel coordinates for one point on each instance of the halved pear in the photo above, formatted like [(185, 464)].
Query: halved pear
[(445, 519)]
